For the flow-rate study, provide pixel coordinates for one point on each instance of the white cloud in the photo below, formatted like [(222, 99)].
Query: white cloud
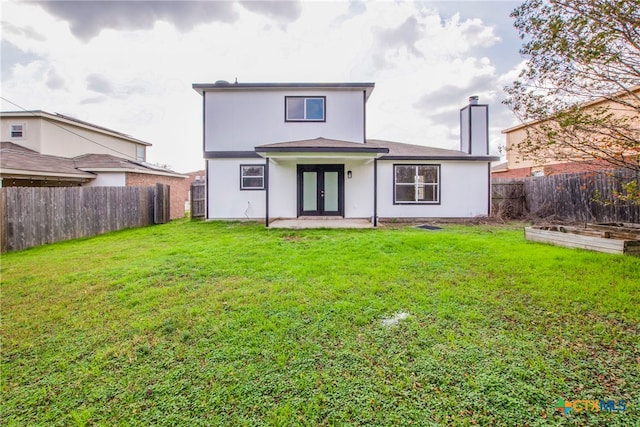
[(137, 78)]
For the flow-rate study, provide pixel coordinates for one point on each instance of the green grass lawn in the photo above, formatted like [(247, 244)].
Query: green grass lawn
[(205, 323)]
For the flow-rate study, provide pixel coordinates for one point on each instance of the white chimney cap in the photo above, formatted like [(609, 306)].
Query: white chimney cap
[(473, 100)]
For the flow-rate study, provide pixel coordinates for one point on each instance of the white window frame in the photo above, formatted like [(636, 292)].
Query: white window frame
[(418, 185), (305, 113), (243, 177), (12, 129)]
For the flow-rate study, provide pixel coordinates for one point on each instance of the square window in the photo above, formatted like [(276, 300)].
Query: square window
[(17, 131), (416, 184), (304, 109), (252, 177)]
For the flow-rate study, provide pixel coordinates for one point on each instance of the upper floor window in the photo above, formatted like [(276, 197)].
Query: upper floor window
[(17, 131), (141, 153), (419, 184), (304, 108)]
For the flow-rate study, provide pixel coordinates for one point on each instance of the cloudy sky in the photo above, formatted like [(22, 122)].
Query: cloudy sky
[(129, 65)]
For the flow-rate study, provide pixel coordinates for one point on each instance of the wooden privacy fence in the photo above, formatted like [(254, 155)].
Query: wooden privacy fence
[(198, 197), (507, 198), (583, 197), (32, 216)]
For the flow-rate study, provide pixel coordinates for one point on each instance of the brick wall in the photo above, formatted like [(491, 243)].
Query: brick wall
[(513, 173), (576, 167), (554, 169), (179, 189)]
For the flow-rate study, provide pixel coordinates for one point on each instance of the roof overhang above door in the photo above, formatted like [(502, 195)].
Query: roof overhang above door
[(320, 148)]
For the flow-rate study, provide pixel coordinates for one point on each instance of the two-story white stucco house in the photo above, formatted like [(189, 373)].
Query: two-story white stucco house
[(291, 150)]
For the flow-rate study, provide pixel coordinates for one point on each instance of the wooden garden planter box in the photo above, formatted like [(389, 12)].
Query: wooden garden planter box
[(610, 238)]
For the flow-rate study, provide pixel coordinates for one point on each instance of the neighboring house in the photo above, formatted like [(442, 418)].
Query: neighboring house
[(289, 150), (519, 166), (51, 150)]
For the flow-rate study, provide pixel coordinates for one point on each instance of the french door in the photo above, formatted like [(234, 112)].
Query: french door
[(320, 190)]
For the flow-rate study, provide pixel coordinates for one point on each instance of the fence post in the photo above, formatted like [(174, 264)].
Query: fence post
[(197, 199), (162, 207), (3, 220)]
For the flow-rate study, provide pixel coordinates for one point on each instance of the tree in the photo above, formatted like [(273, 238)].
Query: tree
[(580, 82)]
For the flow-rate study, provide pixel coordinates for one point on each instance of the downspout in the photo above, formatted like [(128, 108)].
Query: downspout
[(375, 192), (266, 186), (489, 190), (204, 149)]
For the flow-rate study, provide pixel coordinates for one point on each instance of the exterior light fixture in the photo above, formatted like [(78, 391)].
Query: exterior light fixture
[(349, 174)]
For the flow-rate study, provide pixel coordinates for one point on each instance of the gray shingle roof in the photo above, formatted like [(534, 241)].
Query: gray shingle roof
[(321, 145), (389, 150), (21, 160), (14, 158), (398, 150)]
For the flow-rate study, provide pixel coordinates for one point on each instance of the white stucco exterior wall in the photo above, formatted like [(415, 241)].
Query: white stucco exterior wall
[(283, 184), (108, 179), (464, 191), (228, 113), (225, 200), (358, 191), (358, 197)]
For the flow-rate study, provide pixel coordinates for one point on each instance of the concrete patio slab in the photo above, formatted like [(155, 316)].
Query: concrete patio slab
[(320, 223)]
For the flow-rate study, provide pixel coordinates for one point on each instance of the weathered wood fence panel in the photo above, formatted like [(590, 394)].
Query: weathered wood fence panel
[(582, 197), (162, 210), (507, 198), (32, 216), (198, 197)]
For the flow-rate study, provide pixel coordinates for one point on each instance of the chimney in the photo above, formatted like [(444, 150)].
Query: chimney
[(474, 128)]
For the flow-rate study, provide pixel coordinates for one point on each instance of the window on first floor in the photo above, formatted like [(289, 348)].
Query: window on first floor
[(416, 184), (252, 177), (17, 131), (304, 109)]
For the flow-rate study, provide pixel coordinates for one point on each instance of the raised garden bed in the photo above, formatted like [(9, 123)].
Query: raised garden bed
[(611, 238)]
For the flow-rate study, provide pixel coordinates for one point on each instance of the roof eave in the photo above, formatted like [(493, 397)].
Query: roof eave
[(82, 175), (320, 150), (203, 87), (457, 158), (124, 170)]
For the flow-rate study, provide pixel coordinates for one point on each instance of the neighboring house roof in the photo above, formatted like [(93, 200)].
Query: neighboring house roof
[(384, 150), (224, 85), (63, 119), (109, 163), (20, 161), (499, 166)]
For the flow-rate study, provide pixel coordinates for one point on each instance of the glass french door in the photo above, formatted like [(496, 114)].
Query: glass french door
[(320, 190)]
